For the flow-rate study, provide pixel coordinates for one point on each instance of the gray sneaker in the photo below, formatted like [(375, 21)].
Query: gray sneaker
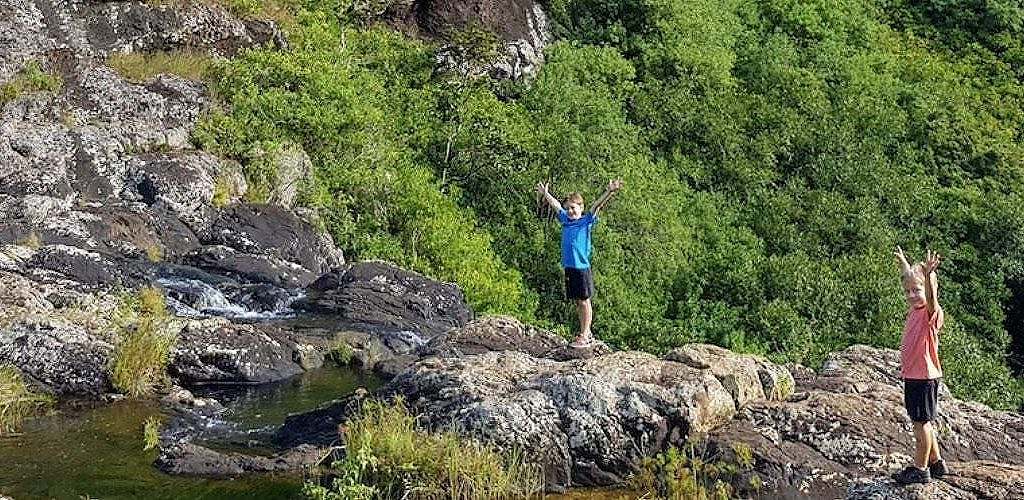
[(938, 469), (912, 475)]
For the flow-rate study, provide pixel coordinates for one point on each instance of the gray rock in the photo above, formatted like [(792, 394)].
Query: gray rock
[(250, 267), (969, 481)]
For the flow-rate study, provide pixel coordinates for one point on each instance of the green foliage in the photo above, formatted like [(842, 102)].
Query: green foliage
[(774, 153), (31, 78), (139, 67), (388, 457), (696, 473), (144, 341), (17, 402), (340, 352)]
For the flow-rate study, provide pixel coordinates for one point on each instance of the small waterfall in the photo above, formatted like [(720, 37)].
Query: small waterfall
[(195, 298)]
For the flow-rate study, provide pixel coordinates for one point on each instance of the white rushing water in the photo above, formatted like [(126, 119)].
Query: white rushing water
[(197, 299)]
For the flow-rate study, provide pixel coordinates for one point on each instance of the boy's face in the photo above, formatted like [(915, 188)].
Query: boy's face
[(914, 292), (574, 210)]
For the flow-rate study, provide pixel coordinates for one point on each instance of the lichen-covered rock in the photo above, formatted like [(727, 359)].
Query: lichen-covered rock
[(380, 295), (586, 421), (849, 422), (217, 351), (63, 360)]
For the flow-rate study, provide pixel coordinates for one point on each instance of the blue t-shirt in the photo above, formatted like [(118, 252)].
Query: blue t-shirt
[(576, 239)]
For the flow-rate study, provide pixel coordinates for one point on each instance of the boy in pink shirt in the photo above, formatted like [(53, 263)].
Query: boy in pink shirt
[(920, 367)]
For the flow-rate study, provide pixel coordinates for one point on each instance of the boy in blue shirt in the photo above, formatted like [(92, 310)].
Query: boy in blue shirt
[(576, 249)]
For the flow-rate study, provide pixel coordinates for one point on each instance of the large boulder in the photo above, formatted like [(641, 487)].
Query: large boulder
[(379, 295), (973, 480), (849, 422)]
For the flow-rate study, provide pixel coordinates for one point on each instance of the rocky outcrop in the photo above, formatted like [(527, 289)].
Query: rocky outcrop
[(520, 27), (848, 422), (587, 421), (382, 296)]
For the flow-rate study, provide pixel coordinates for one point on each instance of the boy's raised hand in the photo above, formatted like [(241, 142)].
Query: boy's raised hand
[(931, 262), (614, 185), (542, 188), (901, 256)]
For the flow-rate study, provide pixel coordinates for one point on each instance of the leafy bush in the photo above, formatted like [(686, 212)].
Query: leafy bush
[(16, 400), (697, 472), (144, 341), (388, 457)]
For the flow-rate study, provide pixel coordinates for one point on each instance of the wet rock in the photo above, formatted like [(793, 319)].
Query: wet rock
[(85, 267), (194, 460), (319, 427), (216, 351), (384, 296), (62, 359)]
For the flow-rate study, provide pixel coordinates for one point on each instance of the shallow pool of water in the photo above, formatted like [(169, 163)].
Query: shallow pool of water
[(98, 452)]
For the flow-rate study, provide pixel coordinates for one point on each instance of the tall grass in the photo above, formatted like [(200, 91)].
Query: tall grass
[(694, 472), (144, 342), (16, 401), (138, 67), (387, 457)]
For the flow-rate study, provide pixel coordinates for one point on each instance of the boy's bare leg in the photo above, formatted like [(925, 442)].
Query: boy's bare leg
[(922, 443), (933, 455), (586, 313)]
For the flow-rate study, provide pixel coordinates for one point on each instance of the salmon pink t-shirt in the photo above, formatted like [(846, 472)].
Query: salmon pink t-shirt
[(919, 350)]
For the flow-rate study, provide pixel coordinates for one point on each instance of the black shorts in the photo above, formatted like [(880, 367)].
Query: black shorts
[(579, 284), (921, 397)]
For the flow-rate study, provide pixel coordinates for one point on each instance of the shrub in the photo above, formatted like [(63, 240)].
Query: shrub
[(31, 78), (16, 400), (388, 457), (144, 340), (696, 473), (340, 352)]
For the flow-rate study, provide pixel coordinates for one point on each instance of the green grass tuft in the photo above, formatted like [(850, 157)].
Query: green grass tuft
[(16, 400), (151, 433), (31, 78), (144, 343), (388, 457)]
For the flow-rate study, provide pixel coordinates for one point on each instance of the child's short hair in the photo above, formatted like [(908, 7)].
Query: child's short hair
[(915, 275), (574, 198)]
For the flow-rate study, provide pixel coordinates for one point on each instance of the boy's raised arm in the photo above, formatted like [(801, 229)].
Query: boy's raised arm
[(613, 187), (542, 189), (931, 281), (902, 258)]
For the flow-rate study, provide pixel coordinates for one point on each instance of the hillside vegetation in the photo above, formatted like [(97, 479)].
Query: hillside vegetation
[(774, 154)]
